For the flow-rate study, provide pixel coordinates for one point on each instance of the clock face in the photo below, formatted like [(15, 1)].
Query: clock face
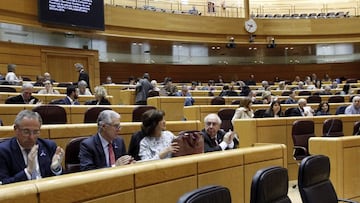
[(250, 26)]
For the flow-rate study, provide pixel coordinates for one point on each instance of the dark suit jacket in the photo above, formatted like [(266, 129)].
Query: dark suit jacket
[(134, 146), (19, 100), (12, 163), (85, 76), (210, 146), (66, 101), (92, 155), (295, 112), (103, 101)]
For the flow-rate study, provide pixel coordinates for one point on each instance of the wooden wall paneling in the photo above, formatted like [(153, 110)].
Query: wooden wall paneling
[(179, 73)]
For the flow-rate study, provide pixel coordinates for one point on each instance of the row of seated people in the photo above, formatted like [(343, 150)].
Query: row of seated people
[(72, 93), (27, 156), (245, 111)]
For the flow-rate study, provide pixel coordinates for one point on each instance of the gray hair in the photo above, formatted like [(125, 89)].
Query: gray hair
[(212, 115), (302, 101), (27, 114), (78, 66), (11, 67), (100, 91), (106, 116), (27, 86), (356, 98), (82, 83)]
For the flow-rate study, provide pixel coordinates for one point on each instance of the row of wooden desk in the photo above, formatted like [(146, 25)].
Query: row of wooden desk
[(344, 152), (160, 181), (172, 106)]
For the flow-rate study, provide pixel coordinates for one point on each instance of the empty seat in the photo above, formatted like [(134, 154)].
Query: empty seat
[(72, 162), (226, 115), (314, 181), (259, 113), (207, 194), (64, 84), (304, 93), (51, 114), (153, 93), (303, 15), (356, 130), (301, 131), (92, 114), (218, 101), (235, 102), (286, 93), (7, 89), (314, 99), (321, 15), (336, 99), (138, 112), (295, 15), (265, 190), (333, 127), (312, 15)]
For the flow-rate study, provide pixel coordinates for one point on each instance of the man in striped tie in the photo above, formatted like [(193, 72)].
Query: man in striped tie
[(106, 148)]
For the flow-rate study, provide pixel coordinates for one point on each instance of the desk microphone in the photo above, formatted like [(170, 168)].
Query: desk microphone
[(330, 128)]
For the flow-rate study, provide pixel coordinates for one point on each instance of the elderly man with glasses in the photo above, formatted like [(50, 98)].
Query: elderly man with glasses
[(26, 156), (106, 148), (216, 139)]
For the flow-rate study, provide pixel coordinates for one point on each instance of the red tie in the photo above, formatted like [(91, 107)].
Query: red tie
[(111, 155)]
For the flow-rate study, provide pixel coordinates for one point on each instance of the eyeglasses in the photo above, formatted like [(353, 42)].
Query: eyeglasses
[(28, 132), (211, 123), (116, 126)]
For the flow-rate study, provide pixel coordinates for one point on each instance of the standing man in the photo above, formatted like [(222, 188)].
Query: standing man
[(82, 74), (26, 156), (106, 148), (25, 97), (216, 139), (142, 89)]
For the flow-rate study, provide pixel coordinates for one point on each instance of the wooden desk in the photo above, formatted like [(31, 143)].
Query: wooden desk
[(160, 181), (344, 155), (278, 130)]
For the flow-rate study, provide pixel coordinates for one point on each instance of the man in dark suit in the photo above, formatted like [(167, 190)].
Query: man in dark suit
[(302, 109), (25, 156), (216, 139), (82, 74), (71, 97), (25, 97), (104, 149)]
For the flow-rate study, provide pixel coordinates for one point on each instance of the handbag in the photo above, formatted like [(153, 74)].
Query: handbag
[(190, 142)]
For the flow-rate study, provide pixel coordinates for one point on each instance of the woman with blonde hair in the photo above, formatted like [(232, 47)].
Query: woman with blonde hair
[(100, 97), (244, 111)]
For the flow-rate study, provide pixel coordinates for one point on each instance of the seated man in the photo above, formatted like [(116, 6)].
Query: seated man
[(354, 108), (302, 109), (189, 101), (291, 99), (71, 97), (106, 148), (216, 139), (26, 156), (25, 97)]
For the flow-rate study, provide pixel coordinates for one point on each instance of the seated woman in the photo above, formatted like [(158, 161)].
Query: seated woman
[(48, 88), (323, 109), (100, 94), (244, 111), (274, 110), (157, 142)]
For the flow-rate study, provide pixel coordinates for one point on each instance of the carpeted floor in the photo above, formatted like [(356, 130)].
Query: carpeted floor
[(293, 193)]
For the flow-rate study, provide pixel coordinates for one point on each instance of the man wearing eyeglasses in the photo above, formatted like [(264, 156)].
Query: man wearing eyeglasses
[(106, 148), (216, 139), (26, 156)]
